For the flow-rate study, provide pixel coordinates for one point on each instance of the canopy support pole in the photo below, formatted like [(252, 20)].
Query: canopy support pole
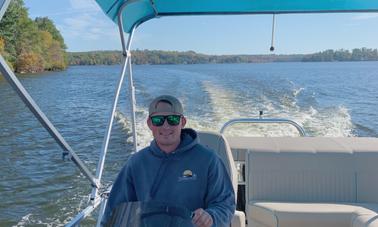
[(4, 7), (126, 52), (125, 63), (133, 106)]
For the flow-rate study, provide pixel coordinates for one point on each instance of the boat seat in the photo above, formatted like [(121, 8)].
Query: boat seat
[(308, 182), (219, 144), (286, 214)]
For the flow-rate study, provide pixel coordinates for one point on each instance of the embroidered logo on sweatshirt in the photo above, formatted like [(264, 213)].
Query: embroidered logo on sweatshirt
[(187, 175)]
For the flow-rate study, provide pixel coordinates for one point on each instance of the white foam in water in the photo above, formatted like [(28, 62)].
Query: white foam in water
[(35, 220), (226, 105), (222, 108), (144, 135), (334, 122), (28, 220), (123, 121), (25, 220), (297, 91)]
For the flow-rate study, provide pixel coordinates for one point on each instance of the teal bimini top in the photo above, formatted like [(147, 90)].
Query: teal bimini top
[(136, 12)]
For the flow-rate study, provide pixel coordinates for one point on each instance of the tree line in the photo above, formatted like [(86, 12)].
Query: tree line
[(154, 57), (362, 54), (28, 45)]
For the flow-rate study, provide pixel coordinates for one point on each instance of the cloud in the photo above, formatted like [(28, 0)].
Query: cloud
[(86, 5), (365, 16), (74, 7), (87, 27), (89, 22)]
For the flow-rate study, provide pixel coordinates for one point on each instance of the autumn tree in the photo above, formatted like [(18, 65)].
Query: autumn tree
[(9, 29), (29, 62), (38, 39)]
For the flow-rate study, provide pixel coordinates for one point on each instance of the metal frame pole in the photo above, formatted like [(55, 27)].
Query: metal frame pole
[(105, 144), (126, 52), (41, 117), (133, 106), (101, 211), (84, 213), (3, 8), (126, 63)]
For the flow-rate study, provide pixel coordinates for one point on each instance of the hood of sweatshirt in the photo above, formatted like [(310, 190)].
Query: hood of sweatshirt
[(189, 139)]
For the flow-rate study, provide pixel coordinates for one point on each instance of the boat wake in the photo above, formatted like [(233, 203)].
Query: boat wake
[(143, 134), (222, 105), (57, 219), (334, 121)]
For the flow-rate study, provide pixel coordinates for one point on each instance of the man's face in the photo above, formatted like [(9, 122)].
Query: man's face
[(166, 135)]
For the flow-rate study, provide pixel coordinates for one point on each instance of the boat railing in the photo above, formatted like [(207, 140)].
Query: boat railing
[(299, 128)]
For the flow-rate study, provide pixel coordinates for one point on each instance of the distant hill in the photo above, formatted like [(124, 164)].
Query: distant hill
[(154, 57), (362, 54)]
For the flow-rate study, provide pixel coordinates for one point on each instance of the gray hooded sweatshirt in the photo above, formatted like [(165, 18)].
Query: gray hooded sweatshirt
[(192, 176)]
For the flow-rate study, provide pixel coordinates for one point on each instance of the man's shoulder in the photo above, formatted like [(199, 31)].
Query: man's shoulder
[(139, 155)]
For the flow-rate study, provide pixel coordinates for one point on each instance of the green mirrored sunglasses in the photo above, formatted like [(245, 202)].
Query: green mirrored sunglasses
[(158, 120)]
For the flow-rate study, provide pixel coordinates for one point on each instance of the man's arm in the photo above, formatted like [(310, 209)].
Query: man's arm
[(220, 195)]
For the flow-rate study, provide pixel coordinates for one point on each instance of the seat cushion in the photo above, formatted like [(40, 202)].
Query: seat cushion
[(219, 144), (367, 215), (282, 214)]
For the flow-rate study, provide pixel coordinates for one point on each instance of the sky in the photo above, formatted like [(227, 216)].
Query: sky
[(85, 28)]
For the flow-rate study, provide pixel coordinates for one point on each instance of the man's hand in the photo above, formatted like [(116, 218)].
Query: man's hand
[(202, 218)]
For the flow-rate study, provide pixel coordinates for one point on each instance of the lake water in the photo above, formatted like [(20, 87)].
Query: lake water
[(38, 188)]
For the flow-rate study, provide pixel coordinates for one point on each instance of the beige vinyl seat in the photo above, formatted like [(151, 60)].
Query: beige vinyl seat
[(312, 182), (218, 143)]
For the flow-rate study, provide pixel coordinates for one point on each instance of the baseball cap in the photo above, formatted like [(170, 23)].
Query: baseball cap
[(175, 105)]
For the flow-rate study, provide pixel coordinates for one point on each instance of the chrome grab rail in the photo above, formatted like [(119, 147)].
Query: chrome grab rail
[(264, 121)]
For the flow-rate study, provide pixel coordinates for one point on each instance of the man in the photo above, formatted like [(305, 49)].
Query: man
[(176, 169)]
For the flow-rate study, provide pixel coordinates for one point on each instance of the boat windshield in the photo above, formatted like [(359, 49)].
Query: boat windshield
[(149, 214)]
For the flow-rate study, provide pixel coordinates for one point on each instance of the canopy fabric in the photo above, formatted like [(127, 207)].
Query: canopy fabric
[(139, 11)]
